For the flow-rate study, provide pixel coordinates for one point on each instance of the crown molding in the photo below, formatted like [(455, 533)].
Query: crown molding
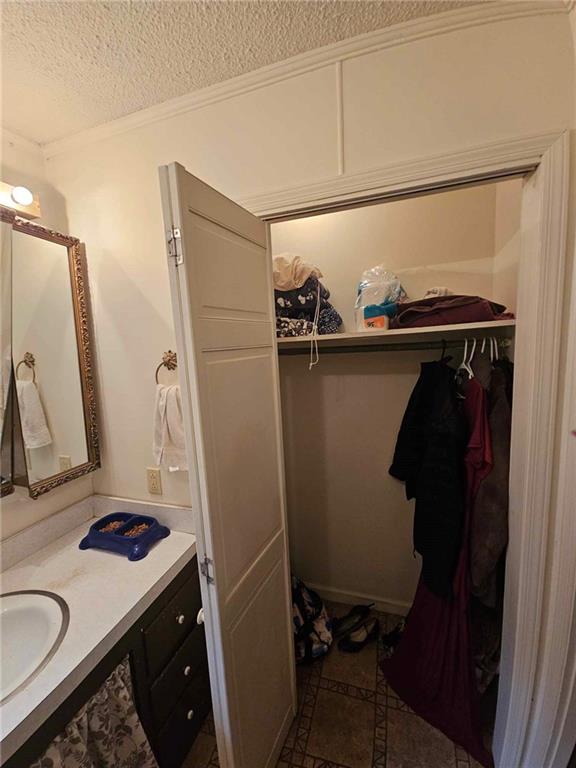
[(487, 160), (14, 139), (398, 34)]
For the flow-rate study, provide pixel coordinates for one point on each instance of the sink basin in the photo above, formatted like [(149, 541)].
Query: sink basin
[(32, 626)]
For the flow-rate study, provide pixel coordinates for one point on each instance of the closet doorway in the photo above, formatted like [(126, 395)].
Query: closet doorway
[(535, 176), (350, 523)]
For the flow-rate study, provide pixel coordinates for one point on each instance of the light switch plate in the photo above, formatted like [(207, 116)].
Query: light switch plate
[(65, 463), (154, 480)]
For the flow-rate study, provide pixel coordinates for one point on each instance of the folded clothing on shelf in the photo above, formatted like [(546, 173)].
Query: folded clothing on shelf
[(286, 327), (300, 303), (308, 305), (447, 310), (329, 321)]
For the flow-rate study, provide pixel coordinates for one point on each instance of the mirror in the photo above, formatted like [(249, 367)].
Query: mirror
[(51, 355)]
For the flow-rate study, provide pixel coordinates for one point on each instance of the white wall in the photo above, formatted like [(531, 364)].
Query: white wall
[(506, 242), (22, 163), (447, 91), (466, 87), (349, 521)]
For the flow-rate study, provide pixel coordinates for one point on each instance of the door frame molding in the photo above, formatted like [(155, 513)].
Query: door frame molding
[(538, 611), (555, 691), (499, 158)]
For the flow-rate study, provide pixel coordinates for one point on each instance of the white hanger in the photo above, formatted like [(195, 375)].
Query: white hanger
[(464, 365), (488, 349), (495, 347), (469, 361)]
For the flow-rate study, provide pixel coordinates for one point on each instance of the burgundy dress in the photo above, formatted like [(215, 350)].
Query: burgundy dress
[(432, 668)]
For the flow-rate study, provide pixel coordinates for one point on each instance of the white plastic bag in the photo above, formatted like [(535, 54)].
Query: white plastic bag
[(378, 292)]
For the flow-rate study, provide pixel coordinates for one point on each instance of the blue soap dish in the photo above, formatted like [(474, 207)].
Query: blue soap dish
[(135, 547)]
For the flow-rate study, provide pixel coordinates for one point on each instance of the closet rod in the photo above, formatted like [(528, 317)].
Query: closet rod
[(399, 347)]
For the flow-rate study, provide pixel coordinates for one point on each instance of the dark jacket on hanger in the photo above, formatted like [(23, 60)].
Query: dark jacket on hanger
[(429, 459)]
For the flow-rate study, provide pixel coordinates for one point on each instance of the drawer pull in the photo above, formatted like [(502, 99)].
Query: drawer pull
[(187, 670), (190, 714), (180, 618), (200, 616)]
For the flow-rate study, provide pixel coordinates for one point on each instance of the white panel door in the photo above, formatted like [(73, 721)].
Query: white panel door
[(223, 309)]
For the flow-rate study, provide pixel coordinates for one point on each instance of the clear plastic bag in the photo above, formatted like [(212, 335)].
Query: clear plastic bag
[(378, 293)]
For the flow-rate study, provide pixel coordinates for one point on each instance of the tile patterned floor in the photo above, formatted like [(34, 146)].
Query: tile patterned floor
[(204, 753), (348, 717)]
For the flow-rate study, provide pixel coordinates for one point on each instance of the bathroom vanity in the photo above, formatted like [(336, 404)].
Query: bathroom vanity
[(148, 611)]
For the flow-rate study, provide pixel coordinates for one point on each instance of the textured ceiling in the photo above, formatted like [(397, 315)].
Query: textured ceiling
[(67, 66)]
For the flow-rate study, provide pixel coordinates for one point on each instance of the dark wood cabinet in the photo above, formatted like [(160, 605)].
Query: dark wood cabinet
[(181, 728), (174, 697), (171, 684), (169, 666), (173, 624)]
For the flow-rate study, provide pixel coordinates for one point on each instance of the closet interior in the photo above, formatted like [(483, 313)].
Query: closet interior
[(345, 393)]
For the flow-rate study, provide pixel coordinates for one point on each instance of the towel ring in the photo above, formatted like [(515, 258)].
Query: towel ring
[(169, 361), (29, 361)]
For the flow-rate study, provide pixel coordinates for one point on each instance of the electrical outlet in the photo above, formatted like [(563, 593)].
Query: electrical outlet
[(154, 480), (65, 463)]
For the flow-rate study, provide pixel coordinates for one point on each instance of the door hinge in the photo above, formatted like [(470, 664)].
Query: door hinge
[(205, 569), (175, 245)]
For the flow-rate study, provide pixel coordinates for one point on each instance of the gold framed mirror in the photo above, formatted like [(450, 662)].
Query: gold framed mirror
[(52, 357)]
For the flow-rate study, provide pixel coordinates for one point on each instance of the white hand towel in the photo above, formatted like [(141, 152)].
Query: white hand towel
[(169, 447), (34, 427)]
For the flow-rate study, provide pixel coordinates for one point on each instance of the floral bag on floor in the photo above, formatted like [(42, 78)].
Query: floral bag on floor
[(312, 625)]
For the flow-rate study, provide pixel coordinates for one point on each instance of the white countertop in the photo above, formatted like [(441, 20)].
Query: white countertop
[(106, 594)]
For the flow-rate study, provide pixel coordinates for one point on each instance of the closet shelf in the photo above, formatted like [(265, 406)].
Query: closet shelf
[(502, 329)]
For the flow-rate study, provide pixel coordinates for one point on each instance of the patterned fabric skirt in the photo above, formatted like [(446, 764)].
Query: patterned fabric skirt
[(106, 731)]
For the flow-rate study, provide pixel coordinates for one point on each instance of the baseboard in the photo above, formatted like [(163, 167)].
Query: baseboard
[(384, 604)]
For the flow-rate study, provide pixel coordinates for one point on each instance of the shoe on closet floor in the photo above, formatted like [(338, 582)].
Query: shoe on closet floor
[(366, 633), (355, 617), (391, 639)]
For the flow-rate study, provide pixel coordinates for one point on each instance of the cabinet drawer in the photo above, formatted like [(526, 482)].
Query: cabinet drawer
[(179, 672), (165, 634), (177, 736)]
